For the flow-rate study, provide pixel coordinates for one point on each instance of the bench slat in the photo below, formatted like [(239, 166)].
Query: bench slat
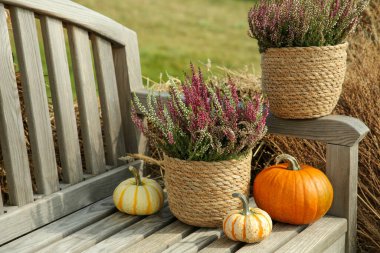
[(11, 127), (36, 104), (57, 230), (134, 233), (162, 239), (196, 241), (318, 236), (59, 204), (87, 99), (89, 236), (59, 76), (222, 245), (124, 91), (105, 71), (338, 246), (280, 235)]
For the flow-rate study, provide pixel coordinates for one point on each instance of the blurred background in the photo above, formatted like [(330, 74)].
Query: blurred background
[(174, 32)]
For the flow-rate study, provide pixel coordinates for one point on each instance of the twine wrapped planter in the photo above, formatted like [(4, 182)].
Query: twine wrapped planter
[(200, 193), (303, 82)]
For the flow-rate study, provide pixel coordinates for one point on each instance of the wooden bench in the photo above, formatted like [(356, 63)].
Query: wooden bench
[(76, 213)]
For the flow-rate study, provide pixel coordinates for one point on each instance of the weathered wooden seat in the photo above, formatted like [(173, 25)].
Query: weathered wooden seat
[(76, 213)]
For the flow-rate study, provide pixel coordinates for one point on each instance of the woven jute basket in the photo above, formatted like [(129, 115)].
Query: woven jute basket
[(200, 193), (303, 82)]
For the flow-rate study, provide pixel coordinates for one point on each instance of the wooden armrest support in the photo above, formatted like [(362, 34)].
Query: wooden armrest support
[(332, 129)]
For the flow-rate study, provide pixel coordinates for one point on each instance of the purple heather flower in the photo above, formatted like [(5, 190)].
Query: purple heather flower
[(227, 123), (291, 23), (335, 8), (171, 138), (136, 120), (229, 134)]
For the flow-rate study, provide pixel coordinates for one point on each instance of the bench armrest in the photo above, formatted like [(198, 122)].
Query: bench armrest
[(332, 129)]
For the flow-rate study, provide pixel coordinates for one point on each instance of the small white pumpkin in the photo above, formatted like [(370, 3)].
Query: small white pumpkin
[(248, 225), (138, 196)]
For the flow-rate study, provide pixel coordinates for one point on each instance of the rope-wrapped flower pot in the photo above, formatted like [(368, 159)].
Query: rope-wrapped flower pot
[(200, 193), (303, 82)]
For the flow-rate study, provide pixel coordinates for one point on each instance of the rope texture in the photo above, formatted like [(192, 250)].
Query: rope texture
[(303, 82), (200, 193)]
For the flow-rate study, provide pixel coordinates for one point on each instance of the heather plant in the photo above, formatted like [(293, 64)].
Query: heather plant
[(303, 23), (202, 121)]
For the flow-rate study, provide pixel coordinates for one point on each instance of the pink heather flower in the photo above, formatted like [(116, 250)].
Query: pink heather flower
[(160, 110), (229, 134), (201, 121), (234, 92), (334, 8), (251, 111), (171, 138), (229, 109), (137, 121), (305, 23)]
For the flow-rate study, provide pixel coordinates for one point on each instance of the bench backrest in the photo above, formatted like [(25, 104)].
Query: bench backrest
[(105, 61)]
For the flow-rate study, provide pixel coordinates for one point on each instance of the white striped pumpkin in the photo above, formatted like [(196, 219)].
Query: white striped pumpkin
[(138, 196), (247, 225)]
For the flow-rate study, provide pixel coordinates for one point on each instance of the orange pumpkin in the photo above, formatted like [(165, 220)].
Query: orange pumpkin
[(293, 193)]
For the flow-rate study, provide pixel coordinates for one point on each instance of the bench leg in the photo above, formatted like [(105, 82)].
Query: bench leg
[(342, 170), (1, 203)]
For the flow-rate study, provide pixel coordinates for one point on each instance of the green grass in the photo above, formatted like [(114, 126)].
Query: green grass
[(174, 32)]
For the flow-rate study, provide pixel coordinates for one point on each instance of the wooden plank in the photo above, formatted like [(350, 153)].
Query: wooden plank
[(162, 239), (338, 246), (222, 245), (108, 92), (133, 62), (124, 90), (134, 233), (128, 58), (196, 241), (280, 235), (335, 129), (76, 14), (342, 170), (89, 236), (1, 200), (59, 204), (87, 99), (11, 127), (8, 209), (317, 237), (36, 104), (60, 84), (61, 228)]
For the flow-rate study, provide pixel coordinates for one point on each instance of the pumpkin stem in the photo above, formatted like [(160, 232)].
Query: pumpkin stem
[(292, 162), (243, 199), (136, 174)]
